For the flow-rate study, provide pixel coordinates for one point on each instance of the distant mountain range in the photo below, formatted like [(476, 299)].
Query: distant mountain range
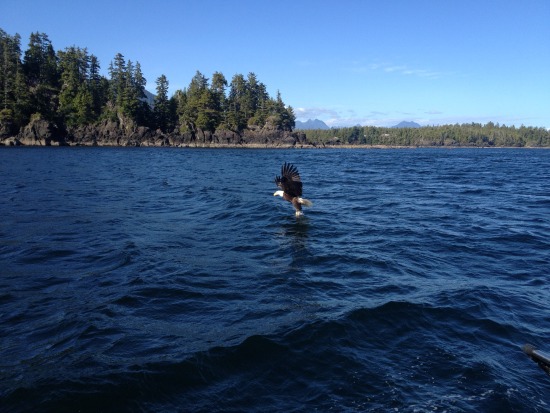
[(406, 124), (311, 124)]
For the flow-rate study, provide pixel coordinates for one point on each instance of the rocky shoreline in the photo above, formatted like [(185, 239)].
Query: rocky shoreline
[(113, 133), (117, 134)]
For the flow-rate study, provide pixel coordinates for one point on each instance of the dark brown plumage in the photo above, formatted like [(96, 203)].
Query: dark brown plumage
[(291, 185)]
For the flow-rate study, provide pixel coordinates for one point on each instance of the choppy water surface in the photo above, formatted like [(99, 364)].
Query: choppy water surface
[(172, 280)]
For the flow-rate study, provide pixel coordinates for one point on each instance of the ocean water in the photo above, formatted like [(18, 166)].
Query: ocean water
[(162, 280)]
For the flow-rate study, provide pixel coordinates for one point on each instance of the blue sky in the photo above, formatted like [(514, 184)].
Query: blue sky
[(345, 62)]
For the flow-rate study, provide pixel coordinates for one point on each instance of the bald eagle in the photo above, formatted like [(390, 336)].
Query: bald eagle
[(291, 186)]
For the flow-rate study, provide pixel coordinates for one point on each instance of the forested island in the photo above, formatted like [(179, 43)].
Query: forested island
[(60, 98), (463, 135)]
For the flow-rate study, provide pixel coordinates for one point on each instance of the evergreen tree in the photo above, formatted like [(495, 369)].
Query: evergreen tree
[(117, 73), (13, 89), (127, 91), (219, 83), (128, 103), (83, 106), (161, 109), (75, 99), (23, 106), (208, 117), (281, 117), (180, 102), (194, 100), (256, 100), (290, 119), (40, 62), (237, 105), (143, 114), (41, 73), (139, 82), (261, 102), (9, 60), (98, 87)]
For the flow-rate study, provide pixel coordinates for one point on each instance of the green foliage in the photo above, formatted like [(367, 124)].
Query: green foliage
[(83, 91), (126, 93), (40, 62), (68, 88), (83, 105), (98, 86), (219, 102), (14, 92), (75, 100), (162, 108), (238, 107), (6, 115), (192, 102), (10, 65), (42, 75), (472, 134), (250, 105)]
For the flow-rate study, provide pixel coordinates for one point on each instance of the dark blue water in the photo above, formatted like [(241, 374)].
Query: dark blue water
[(172, 280)]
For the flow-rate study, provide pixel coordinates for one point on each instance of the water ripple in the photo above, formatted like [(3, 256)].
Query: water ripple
[(162, 280)]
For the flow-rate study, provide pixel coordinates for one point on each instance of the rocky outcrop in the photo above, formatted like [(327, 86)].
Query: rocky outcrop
[(6, 130), (40, 132)]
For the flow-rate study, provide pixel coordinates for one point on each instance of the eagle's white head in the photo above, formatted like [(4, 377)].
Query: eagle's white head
[(278, 193)]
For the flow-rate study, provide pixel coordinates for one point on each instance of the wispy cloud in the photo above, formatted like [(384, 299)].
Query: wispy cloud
[(422, 73), (391, 68), (376, 113), (315, 113)]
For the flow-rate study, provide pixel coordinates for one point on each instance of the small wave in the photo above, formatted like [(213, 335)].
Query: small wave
[(384, 356), (147, 290), (41, 254)]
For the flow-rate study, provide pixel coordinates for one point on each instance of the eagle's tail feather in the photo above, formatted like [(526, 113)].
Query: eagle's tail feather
[(305, 202)]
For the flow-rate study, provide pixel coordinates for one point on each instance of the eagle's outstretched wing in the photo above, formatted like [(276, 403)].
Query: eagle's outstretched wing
[(290, 181)]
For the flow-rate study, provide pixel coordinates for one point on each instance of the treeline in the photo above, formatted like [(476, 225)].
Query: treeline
[(66, 87), (471, 134)]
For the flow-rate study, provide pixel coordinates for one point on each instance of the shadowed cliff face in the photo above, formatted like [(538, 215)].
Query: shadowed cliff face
[(40, 133), (112, 133)]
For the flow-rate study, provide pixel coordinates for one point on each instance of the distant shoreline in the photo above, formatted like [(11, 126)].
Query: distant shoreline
[(115, 133), (112, 134), (253, 146)]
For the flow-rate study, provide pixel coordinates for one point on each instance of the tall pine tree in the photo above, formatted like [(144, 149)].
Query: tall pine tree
[(13, 90), (75, 100), (161, 109), (41, 72)]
